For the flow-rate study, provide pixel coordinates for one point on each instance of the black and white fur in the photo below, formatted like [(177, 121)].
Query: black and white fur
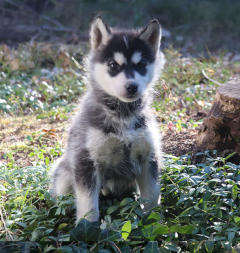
[(113, 144)]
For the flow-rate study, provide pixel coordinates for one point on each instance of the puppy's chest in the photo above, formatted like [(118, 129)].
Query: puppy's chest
[(117, 151)]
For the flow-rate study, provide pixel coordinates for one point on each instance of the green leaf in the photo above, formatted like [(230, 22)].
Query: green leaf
[(62, 226), (22, 224), (85, 231), (126, 249), (104, 251), (49, 248), (147, 232), (81, 249), (163, 250), (173, 248), (112, 209), (109, 235), (36, 235), (237, 219), (231, 235), (2, 188), (209, 245), (47, 161), (65, 249), (58, 211), (152, 247), (151, 231), (235, 191), (153, 217), (219, 238), (186, 229), (126, 229), (229, 156), (160, 229), (126, 201)]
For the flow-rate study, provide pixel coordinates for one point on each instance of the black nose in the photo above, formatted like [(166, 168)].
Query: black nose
[(132, 88)]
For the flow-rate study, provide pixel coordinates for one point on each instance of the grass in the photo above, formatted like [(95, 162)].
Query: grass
[(40, 86), (199, 211), (38, 77)]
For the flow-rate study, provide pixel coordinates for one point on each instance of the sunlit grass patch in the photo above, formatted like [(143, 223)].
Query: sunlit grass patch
[(27, 138), (183, 90), (52, 79)]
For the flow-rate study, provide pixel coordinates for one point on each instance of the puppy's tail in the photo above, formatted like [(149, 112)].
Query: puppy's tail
[(61, 178)]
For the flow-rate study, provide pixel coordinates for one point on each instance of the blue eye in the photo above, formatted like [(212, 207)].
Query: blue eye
[(113, 66), (141, 65)]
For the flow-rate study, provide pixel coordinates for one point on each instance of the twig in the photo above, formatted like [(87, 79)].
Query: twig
[(59, 26), (45, 5), (138, 248), (35, 37), (12, 3), (58, 29), (79, 66), (55, 26), (21, 6), (210, 79), (110, 242), (4, 224), (39, 28), (115, 246), (7, 9), (55, 22)]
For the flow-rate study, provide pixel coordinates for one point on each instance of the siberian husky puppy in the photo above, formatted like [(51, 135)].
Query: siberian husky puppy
[(113, 144)]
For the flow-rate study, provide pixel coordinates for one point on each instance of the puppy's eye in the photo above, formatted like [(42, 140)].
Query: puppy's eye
[(113, 66), (141, 65)]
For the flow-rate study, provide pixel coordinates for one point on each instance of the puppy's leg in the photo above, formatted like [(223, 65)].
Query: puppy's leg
[(87, 202), (86, 187), (148, 184), (61, 177)]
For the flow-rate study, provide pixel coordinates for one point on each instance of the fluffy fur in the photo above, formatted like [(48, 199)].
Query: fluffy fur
[(113, 144)]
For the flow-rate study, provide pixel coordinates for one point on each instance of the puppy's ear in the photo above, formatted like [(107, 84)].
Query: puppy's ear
[(99, 33), (151, 34)]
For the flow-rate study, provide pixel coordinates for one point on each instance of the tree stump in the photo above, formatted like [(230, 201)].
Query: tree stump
[(221, 127)]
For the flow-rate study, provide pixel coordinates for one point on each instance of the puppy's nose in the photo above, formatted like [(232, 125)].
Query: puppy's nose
[(132, 88)]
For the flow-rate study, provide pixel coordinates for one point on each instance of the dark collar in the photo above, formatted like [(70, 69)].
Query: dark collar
[(117, 107)]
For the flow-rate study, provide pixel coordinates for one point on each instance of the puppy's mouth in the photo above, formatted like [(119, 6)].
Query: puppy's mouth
[(132, 96), (129, 98)]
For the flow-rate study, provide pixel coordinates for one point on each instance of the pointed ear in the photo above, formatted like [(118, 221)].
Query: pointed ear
[(99, 33), (151, 34)]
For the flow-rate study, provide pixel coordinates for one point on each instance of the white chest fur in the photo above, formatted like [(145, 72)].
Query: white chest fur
[(110, 150)]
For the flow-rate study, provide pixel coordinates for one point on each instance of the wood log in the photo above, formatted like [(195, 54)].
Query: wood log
[(221, 127)]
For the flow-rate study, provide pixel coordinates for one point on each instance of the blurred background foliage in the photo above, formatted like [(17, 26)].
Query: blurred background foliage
[(192, 25)]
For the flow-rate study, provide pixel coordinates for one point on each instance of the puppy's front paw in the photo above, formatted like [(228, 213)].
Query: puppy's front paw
[(92, 216)]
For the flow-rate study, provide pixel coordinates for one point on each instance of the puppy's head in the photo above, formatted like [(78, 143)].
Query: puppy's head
[(123, 62)]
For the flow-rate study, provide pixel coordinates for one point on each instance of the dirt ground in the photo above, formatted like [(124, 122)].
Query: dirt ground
[(25, 133), (179, 143)]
